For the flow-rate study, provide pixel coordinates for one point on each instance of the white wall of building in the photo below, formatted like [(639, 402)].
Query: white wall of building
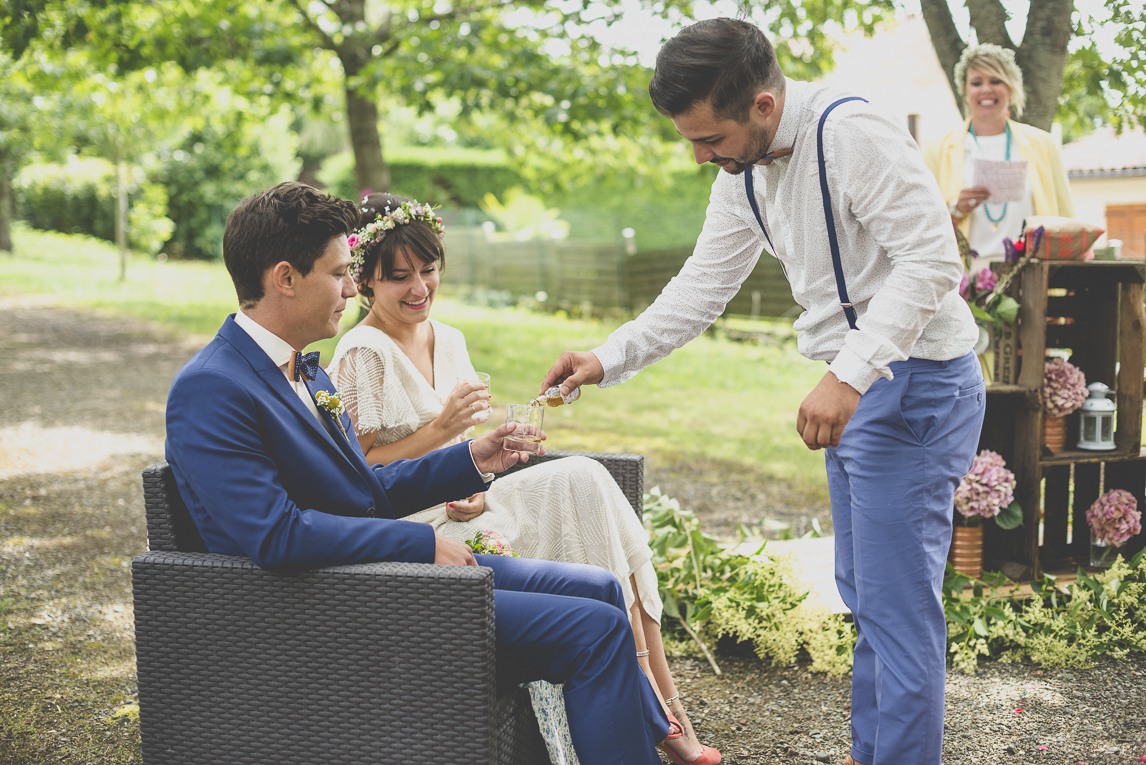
[(898, 71), (1091, 196)]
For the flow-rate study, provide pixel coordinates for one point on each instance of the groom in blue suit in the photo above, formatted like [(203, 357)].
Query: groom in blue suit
[(269, 467)]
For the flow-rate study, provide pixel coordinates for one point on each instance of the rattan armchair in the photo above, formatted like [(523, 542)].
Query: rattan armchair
[(373, 663)]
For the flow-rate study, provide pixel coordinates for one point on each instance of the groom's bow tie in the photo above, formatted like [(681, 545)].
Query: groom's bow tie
[(303, 366)]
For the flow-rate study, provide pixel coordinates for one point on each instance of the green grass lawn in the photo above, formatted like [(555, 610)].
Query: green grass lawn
[(714, 402)]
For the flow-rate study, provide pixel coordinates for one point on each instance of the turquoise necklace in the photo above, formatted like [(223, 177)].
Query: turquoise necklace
[(986, 211)]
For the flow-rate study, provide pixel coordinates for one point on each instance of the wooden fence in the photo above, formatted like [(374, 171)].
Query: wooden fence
[(574, 272)]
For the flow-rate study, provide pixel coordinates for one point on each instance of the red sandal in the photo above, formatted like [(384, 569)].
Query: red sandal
[(708, 755)]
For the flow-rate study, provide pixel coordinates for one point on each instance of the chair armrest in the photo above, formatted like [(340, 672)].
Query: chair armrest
[(349, 664), (628, 470)]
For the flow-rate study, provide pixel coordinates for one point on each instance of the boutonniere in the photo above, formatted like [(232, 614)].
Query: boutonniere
[(332, 405)]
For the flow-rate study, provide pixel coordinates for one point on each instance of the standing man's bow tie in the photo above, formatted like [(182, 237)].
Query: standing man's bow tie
[(768, 158), (303, 366)]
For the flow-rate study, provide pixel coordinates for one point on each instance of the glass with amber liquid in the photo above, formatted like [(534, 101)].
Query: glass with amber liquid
[(527, 436)]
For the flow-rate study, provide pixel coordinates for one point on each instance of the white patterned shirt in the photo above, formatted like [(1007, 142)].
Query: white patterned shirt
[(900, 260)]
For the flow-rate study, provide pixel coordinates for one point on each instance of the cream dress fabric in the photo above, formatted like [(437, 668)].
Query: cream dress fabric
[(566, 510)]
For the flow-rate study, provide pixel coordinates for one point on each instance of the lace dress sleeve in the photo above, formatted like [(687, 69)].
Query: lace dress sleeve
[(360, 379)]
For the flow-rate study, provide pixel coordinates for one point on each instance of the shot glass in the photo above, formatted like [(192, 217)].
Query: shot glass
[(527, 436), (481, 415)]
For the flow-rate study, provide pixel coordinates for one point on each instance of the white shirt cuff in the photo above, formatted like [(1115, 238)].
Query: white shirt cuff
[(851, 369), (612, 358), (486, 478)]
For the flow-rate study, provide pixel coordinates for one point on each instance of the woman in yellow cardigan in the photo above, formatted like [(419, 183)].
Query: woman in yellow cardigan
[(991, 85)]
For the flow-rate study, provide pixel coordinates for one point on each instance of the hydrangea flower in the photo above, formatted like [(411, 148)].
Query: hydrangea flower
[(1064, 387), (985, 280), (1114, 517), (987, 488), (491, 543)]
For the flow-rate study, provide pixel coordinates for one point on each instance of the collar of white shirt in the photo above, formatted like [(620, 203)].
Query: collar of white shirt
[(795, 95), (279, 350)]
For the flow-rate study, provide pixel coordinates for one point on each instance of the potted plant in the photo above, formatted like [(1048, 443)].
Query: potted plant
[(1113, 518), (1064, 391), (987, 491)]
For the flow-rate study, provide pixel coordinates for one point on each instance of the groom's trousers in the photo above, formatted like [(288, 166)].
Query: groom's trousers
[(892, 481), (567, 623)]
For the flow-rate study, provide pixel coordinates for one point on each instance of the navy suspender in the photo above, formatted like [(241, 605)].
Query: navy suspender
[(837, 264), (755, 208)]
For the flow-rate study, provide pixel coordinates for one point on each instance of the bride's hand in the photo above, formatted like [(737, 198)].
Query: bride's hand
[(466, 509), (461, 406)]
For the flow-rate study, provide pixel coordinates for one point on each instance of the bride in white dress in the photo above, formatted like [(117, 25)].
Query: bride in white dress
[(410, 388)]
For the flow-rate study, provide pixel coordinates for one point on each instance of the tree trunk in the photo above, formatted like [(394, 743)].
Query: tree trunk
[(946, 41), (121, 216), (6, 206), (370, 170), (1042, 57)]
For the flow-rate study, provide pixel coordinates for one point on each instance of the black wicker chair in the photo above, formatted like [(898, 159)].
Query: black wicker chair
[(371, 663)]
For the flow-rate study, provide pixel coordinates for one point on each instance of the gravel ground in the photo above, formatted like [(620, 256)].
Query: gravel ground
[(83, 415)]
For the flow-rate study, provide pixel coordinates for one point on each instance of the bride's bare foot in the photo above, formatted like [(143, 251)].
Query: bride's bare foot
[(678, 712), (682, 748)]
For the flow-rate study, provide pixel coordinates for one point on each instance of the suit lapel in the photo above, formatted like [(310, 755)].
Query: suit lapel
[(275, 380)]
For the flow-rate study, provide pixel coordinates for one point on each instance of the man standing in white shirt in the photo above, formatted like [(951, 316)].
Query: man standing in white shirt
[(879, 286)]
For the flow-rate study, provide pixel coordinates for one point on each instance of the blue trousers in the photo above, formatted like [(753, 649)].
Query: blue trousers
[(567, 623), (892, 481)]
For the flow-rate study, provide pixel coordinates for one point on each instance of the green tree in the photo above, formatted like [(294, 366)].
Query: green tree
[(122, 120), (17, 120), (1045, 58)]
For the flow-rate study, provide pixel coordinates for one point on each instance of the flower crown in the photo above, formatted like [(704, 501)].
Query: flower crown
[(364, 238)]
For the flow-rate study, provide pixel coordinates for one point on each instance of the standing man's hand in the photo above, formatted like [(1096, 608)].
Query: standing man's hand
[(448, 552), (572, 370), (826, 411)]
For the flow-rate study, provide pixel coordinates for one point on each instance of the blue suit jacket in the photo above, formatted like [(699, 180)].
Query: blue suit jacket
[(263, 478)]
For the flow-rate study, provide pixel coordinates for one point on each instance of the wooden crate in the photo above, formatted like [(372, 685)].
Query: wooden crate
[(1095, 309)]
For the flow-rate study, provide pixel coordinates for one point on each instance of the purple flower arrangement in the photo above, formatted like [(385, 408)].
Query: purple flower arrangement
[(1064, 387), (491, 543), (1114, 517), (978, 288), (987, 489)]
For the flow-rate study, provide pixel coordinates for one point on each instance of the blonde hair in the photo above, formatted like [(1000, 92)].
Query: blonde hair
[(996, 61)]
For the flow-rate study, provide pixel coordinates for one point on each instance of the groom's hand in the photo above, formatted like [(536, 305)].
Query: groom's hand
[(826, 411), (447, 552), (489, 454), (573, 370)]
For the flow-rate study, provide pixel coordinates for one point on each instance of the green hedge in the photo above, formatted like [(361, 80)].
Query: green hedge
[(79, 197), (453, 177)]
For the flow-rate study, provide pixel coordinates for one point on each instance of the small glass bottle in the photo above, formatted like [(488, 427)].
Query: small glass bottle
[(553, 397)]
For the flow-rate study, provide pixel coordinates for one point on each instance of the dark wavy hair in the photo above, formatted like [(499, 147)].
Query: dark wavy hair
[(415, 237), (292, 222), (726, 62)]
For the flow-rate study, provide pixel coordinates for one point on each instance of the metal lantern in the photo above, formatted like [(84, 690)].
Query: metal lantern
[(1096, 420)]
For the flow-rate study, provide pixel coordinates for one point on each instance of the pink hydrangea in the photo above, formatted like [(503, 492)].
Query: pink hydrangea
[(987, 488), (1114, 517), (985, 280), (491, 543), (1064, 387)]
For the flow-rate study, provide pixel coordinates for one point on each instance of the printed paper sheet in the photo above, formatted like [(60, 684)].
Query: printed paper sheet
[(1005, 180)]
